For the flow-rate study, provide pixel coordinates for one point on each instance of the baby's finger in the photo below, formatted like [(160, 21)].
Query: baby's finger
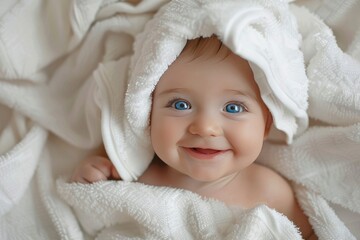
[(102, 164), (92, 174), (78, 179)]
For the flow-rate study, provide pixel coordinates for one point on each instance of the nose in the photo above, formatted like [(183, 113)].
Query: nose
[(205, 125)]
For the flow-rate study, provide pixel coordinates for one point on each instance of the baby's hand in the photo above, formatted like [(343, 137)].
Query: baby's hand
[(94, 169)]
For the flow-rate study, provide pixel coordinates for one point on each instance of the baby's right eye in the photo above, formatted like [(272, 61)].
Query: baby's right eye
[(181, 105)]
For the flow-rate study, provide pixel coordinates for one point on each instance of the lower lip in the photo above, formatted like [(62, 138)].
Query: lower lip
[(203, 156)]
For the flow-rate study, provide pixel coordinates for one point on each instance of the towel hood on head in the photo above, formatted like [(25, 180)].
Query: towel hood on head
[(261, 31)]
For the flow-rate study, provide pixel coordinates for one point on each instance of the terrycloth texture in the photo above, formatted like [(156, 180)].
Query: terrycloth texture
[(126, 209), (325, 159), (312, 160), (55, 92), (29, 139), (53, 98)]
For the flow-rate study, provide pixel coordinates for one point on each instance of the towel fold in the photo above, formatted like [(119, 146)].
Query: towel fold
[(23, 142), (333, 74)]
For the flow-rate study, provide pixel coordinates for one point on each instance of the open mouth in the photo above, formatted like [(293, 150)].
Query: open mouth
[(204, 153)]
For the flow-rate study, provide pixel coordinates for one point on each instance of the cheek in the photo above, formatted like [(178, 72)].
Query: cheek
[(247, 138), (165, 133)]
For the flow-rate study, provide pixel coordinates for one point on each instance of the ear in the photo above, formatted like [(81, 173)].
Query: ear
[(268, 124)]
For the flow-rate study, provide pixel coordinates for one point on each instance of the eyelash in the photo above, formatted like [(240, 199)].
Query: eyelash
[(170, 103), (174, 100), (241, 104)]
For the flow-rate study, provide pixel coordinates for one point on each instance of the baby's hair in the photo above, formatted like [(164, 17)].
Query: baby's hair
[(206, 48)]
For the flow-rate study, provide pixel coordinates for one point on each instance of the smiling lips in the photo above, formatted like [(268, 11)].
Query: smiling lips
[(204, 153)]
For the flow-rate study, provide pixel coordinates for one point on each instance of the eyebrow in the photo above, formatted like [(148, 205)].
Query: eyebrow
[(172, 90), (237, 92), (243, 93)]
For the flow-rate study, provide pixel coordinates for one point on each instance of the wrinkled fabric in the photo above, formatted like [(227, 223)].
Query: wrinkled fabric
[(63, 66)]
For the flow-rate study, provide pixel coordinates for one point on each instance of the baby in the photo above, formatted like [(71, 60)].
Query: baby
[(207, 126)]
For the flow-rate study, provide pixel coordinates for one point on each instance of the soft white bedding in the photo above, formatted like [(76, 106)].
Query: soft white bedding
[(128, 209), (63, 68)]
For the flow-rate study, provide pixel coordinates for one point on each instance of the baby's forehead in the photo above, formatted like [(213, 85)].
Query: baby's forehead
[(209, 58)]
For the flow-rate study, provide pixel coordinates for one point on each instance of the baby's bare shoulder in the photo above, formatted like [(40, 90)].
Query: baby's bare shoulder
[(277, 193), (271, 187)]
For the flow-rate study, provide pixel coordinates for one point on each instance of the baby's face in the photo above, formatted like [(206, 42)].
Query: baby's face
[(208, 120)]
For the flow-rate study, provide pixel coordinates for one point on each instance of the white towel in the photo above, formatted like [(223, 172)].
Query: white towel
[(325, 159), (263, 32), (50, 115), (34, 77), (23, 141), (123, 210), (311, 160)]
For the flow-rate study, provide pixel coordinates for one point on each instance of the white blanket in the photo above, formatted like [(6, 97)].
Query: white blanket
[(128, 209), (63, 70)]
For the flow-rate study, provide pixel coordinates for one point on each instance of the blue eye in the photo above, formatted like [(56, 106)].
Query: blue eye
[(181, 105), (234, 108)]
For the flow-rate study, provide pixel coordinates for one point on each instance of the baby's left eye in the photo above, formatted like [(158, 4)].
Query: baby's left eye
[(234, 108)]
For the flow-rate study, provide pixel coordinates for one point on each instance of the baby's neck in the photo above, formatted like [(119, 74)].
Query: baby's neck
[(230, 189), (205, 188), (160, 174)]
